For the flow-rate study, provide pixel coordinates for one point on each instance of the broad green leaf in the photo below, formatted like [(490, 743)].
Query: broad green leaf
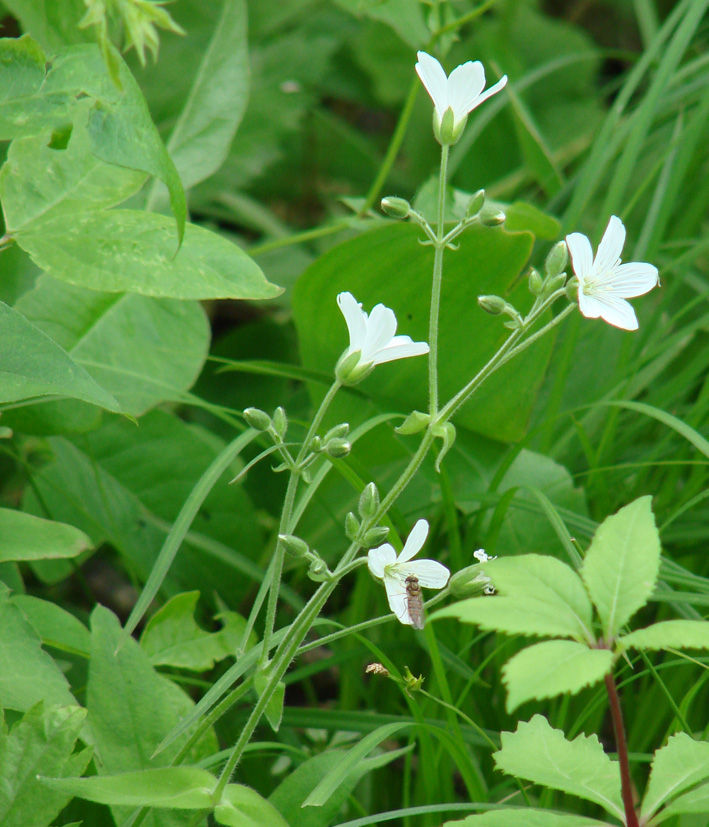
[(528, 817), (243, 807), (407, 19), (37, 181), (695, 801), (554, 667), (55, 626), (202, 136), (621, 565), (546, 590), (142, 350), (180, 788), (172, 637), (41, 742), (25, 108), (131, 708), (53, 24), (679, 765), (33, 365), (669, 634), (25, 537), (133, 251), (388, 265), (27, 673), (544, 756)]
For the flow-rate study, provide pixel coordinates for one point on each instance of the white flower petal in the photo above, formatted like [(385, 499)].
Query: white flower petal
[(465, 84), (434, 80), (581, 254), (615, 311), (488, 93), (611, 246), (634, 279), (396, 595), (355, 318), (381, 328), (430, 573), (400, 347), (379, 558), (414, 542), (590, 306)]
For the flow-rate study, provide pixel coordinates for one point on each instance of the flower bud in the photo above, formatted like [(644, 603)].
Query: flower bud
[(351, 527), (572, 290), (257, 419), (338, 448), (536, 285), (557, 259), (554, 283), (494, 305), (491, 217), (336, 432), (280, 422), (294, 545), (468, 582), (475, 204), (375, 536), (316, 445), (318, 571), (368, 501), (395, 207)]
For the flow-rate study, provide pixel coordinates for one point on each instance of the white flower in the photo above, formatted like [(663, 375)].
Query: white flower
[(461, 92), (372, 339), (385, 565), (605, 283)]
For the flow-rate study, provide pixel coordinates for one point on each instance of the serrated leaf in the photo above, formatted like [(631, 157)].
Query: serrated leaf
[(26, 537), (544, 756), (243, 807), (679, 765), (133, 251), (695, 801), (669, 634), (179, 788), (622, 563), (551, 668), (43, 741), (527, 817)]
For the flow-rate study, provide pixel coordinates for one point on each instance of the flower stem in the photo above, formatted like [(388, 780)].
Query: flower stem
[(436, 287), (631, 818)]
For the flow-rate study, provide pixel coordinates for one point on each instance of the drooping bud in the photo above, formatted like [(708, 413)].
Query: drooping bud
[(475, 204), (368, 501), (257, 419), (572, 290), (536, 285), (280, 422), (294, 545), (491, 217), (338, 448), (494, 305), (557, 259), (375, 536), (396, 207), (351, 527)]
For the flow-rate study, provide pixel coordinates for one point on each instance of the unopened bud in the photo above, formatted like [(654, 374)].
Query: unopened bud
[(338, 448), (316, 444), (554, 283), (494, 305), (396, 207), (491, 217), (280, 422), (351, 527), (338, 431), (572, 290), (475, 204), (375, 536), (318, 571), (557, 259), (294, 545), (368, 501), (257, 419), (536, 284)]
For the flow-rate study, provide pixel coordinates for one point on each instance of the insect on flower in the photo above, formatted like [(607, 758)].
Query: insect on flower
[(414, 601)]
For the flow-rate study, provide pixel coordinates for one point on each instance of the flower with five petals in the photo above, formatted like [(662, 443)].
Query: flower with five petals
[(605, 283), (372, 340), (393, 570), (459, 94)]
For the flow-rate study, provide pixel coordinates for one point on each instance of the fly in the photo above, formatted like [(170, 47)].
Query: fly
[(414, 601)]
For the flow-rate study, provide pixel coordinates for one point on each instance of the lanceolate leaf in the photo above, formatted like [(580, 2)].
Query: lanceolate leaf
[(544, 756), (551, 668), (621, 565), (676, 767), (243, 807), (669, 634), (26, 537)]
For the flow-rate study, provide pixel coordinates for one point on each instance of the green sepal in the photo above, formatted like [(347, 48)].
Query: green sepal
[(274, 707), (414, 422), (446, 432)]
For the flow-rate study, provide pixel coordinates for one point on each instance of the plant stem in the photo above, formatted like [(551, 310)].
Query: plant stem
[(631, 818), (436, 288)]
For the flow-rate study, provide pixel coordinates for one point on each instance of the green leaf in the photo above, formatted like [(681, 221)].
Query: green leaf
[(527, 817), (669, 634), (25, 108), (133, 251), (55, 626), (679, 765), (25, 537), (243, 807), (543, 756), (622, 563), (406, 19), (27, 673), (274, 707), (551, 668), (695, 801), (539, 595), (41, 742), (142, 350), (38, 182), (388, 265), (172, 637), (53, 24), (34, 365), (179, 788)]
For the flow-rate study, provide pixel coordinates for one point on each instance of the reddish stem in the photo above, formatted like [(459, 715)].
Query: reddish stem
[(631, 818)]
